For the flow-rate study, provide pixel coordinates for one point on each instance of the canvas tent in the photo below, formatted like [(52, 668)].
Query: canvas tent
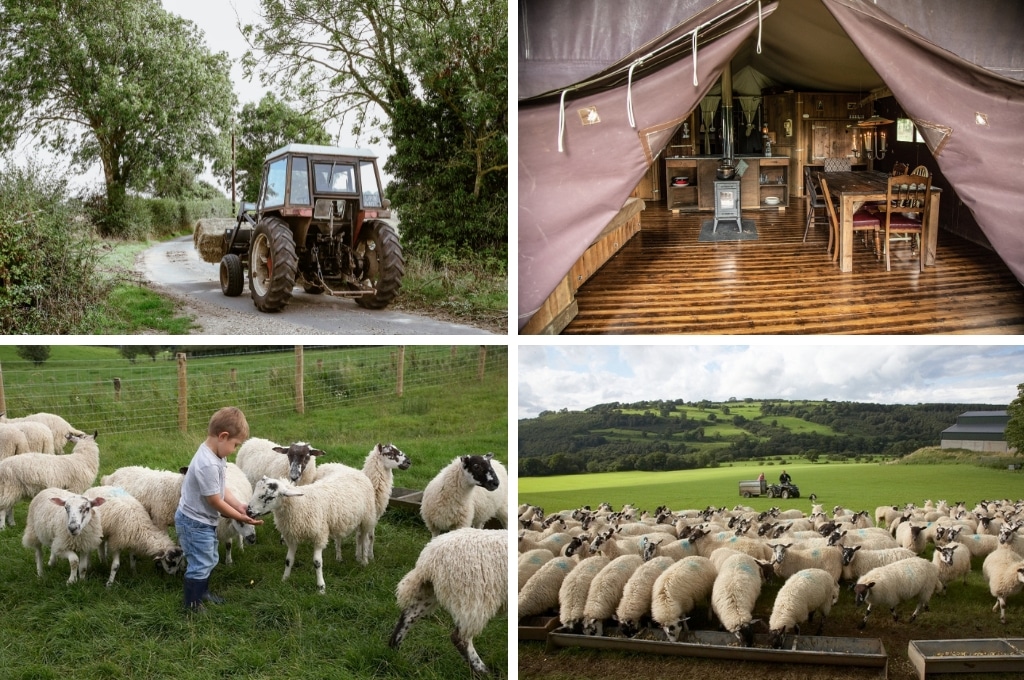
[(603, 85)]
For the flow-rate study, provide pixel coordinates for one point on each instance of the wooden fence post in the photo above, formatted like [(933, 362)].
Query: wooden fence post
[(234, 377), (182, 393), (400, 388), (3, 399), (300, 399), (117, 389), (481, 362)]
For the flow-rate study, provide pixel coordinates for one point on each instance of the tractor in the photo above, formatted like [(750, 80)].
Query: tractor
[(321, 222)]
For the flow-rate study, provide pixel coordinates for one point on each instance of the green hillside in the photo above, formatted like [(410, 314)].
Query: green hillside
[(676, 435)]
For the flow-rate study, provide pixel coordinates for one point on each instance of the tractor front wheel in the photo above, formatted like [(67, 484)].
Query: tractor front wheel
[(272, 265), (380, 264), (232, 276)]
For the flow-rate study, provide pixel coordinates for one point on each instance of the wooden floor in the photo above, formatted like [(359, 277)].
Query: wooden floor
[(664, 281)]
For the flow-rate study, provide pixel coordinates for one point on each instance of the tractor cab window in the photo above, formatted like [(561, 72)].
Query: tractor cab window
[(335, 178), (299, 191), (277, 177), (371, 190)]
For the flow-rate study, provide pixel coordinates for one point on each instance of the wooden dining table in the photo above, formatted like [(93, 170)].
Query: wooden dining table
[(851, 190)]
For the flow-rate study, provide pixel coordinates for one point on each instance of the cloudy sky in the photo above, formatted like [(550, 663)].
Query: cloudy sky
[(577, 377)]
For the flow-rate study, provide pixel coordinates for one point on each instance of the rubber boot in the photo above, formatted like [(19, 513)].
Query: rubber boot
[(210, 597), (194, 589)]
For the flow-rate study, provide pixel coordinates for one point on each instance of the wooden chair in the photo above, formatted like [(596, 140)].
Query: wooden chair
[(863, 221), (899, 168), (920, 171), (908, 200), (815, 202)]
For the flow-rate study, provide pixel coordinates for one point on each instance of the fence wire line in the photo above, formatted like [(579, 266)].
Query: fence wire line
[(144, 396)]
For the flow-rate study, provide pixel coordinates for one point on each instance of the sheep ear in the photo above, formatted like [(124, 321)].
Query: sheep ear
[(280, 449), (869, 585), (98, 501), (291, 492), (316, 452), (57, 501), (488, 456)]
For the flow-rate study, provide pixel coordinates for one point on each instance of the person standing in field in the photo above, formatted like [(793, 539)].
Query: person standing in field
[(204, 498)]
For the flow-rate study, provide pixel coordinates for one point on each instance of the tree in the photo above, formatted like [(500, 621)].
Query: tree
[(37, 354), (1015, 426), (122, 82), (431, 74), (262, 128)]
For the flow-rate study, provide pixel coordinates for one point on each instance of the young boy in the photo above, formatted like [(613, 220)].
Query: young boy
[(204, 499)]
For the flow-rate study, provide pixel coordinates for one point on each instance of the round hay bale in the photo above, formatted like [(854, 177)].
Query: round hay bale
[(208, 238)]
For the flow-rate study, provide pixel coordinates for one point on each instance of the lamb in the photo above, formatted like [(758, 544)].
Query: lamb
[(635, 604), (606, 592), (466, 572), (230, 530), (158, 490), (12, 441), (530, 561), (62, 430), (127, 526), (952, 563), (805, 593), (891, 584), (858, 560), (540, 592), (678, 590), (72, 532), (261, 457), (734, 593), (572, 596), (448, 501), (37, 435), (1004, 570), (789, 561), (315, 513), (26, 475)]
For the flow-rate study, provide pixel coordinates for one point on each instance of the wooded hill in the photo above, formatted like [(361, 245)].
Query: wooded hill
[(677, 435)]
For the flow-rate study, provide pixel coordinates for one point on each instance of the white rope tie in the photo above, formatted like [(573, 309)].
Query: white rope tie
[(695, 83), (629, 93), (561, 121), (759, 19)]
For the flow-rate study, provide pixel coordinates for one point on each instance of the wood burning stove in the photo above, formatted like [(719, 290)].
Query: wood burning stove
[(727, 203)]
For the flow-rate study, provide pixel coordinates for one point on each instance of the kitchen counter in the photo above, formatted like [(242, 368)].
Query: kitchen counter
[(764, 176)]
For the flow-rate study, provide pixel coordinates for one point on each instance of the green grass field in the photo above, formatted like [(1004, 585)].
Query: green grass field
[(858, 486), (268, 629)]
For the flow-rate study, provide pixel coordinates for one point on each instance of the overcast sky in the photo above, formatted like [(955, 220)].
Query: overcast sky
[(577, 377)]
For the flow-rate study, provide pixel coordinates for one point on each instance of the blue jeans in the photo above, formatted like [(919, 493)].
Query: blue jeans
[(199, 543)]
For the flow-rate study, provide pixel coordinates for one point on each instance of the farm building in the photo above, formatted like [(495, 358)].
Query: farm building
[(977, 431)]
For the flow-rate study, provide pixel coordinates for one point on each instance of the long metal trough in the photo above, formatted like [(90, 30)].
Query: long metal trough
[(808, 649), (982, 655)]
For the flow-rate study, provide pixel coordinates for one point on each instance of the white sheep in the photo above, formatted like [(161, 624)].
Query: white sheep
[(73, 531), (530, 561), (379, 467), (953, 562), (263, 458), (231, 530), (1004, 571), (62, 430), (804, 594), (555, 542), (979, 545), (606, 592), (37, 435), (735, 592), (912, 537), (448, 501), (678, 590), (12, 441), (635, 604), (789, 560), (540, 592), (572, 596), (492, 503), (158, 490), (891, 584), (858, 560), (466, 572), (128, 527), (315, 513), (26, 475)]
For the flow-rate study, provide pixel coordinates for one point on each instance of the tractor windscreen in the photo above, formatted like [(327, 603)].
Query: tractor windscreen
[(335, 178)]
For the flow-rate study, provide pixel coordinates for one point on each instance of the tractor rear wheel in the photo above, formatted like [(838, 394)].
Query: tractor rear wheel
[(272, 265), (380, 263), (232, 275)]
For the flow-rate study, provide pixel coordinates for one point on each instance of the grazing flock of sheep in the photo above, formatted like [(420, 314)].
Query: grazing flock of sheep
[(464, 568), (643, 569)]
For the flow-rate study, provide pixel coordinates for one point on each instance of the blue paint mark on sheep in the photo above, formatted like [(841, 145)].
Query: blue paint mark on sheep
[(745, 568)]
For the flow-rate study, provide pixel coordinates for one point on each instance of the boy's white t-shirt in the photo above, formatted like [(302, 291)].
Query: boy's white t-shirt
[(205, 477)]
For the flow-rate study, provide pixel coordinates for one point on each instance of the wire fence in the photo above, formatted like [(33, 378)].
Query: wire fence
[(166, 393)]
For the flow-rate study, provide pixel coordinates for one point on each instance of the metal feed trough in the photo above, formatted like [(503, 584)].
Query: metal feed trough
[(408, 499), (808, 649), (988, 655)]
